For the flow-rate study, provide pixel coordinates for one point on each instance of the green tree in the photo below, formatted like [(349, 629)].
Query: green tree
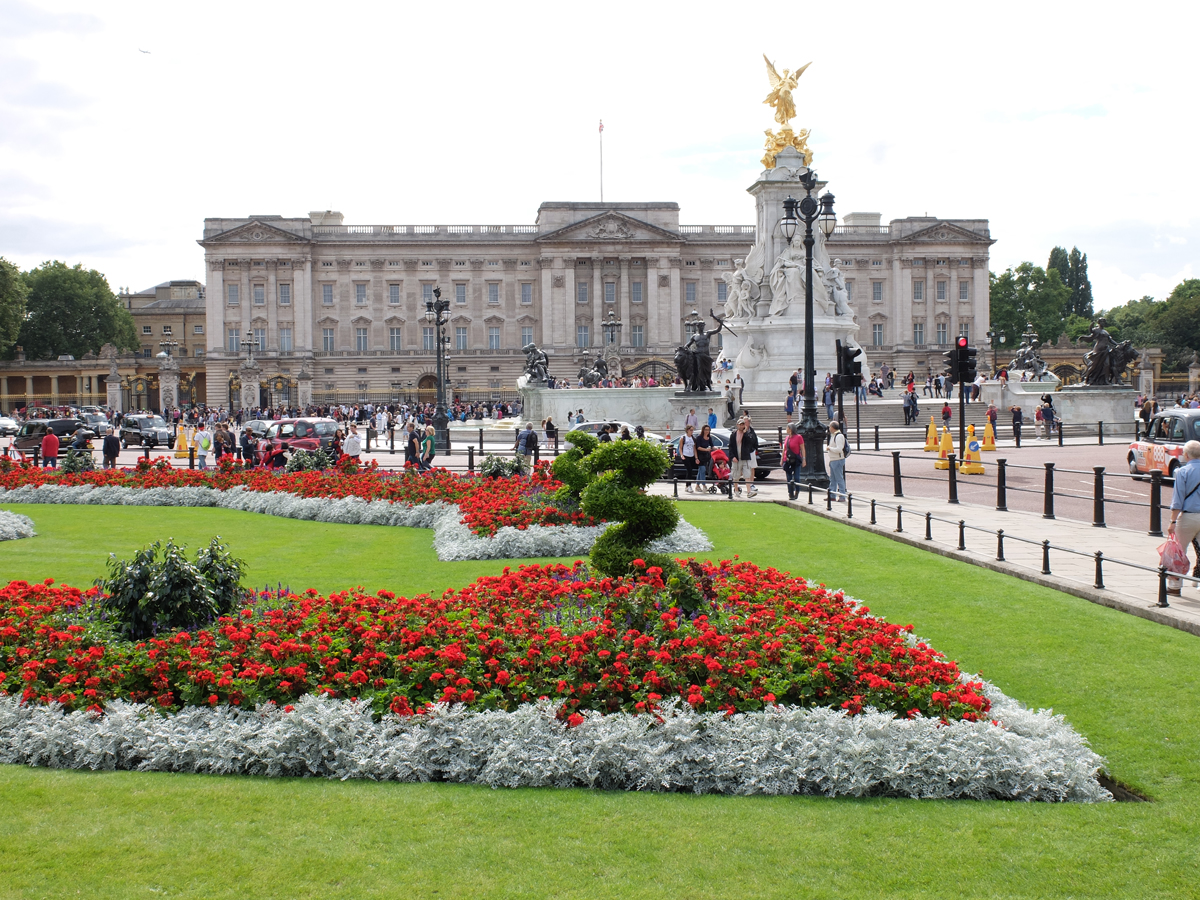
[(1077, 281), (12, 304), (1176, 321), (1130, 322), (72, 310), (1060, 260), (1028, 295)]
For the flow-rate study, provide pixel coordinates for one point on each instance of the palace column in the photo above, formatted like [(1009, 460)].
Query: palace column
[(214, 306), (245, 301), (597, 298), (302, 300), (655, 316), (572, 301), (272, 299), (623, 298), (546, 302), (54, 390), (676, 305), (28, 390)]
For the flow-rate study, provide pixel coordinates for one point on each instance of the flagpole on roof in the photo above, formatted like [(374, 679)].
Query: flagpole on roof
[(601, 160)]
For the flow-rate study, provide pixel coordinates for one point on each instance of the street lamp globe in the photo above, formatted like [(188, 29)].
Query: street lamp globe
[(789, 221), (828, 220)]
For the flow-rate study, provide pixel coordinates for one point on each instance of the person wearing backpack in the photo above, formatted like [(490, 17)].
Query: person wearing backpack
[(204, 442), (527, 442), (838, 451), (794, 460)]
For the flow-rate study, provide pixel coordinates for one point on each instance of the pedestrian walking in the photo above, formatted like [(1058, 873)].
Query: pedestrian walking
[(789, 406), (704, 447), (794, 460), (743, 447), (837, 462), (50, 450), (686, 450), (428, 449), (947, 414), (204, 442), (527, 442), (110, 447), (1018, 418), (1185, 499)]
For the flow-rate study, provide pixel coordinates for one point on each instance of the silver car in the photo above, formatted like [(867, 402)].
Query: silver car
[(8, 426)]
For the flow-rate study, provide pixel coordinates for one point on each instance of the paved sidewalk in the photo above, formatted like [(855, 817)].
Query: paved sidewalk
[(1130, 590)]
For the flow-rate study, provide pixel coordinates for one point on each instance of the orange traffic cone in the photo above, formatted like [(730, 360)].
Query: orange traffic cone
[(971, 464), (989, 436), (931, 438), (944, 450)]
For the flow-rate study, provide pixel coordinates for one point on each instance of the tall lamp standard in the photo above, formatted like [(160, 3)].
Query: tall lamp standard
[(435, 313), (810, 428), (612, 330), (991, 336)]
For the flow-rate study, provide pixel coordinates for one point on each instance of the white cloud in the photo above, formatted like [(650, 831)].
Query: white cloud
[(1059, 124)]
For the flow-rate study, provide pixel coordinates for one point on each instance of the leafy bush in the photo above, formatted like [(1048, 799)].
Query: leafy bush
[(498, 467), (568, 467), (148, 594), (309, 461), (77, 461)]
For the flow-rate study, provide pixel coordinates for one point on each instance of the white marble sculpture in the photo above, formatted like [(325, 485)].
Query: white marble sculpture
[(750, 357), (745, 284), (835, 287), (787, 282)]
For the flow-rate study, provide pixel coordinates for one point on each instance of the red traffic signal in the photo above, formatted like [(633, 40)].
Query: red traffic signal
[(962, 340)]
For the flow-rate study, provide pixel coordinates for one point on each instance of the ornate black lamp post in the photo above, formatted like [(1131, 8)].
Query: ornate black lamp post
[(693, 324), (991, 336), (435, 313), (250, 344), (168, 346), (810, 428), (612, 329)]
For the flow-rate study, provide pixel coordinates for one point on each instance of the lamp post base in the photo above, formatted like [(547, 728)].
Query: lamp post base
[(814, 434), (441, 429)]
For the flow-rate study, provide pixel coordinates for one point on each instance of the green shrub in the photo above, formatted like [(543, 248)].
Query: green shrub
[(309, 460), (568, 467), (77, 461), (498, 467), (148, 594)]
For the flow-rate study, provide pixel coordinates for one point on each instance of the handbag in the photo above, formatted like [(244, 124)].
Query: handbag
[(1173, 557)]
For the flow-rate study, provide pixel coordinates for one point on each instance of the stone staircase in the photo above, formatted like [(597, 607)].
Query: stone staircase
[(887, 413)]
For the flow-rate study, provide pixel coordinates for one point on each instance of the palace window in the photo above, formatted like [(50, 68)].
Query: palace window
[(722, 291), (426, 292), (285, 340), (231, 292), (964, 330), (526, 335), (877, 291), (493, 292), (395, 340), (360, 340), (918, 333), (582, 336), (360, 293), (285, 295), (166, 329), (393, 293), (327, 294), (327, 340), (233, 340), (197, 329), (877, 334), (260, 294), (460, 293), (610, 292), (427, 338), (460, 338), (199, 351), (260, 339), (147, 329), (526, 292), (918, 290), (635, 292), (581, 292), (964, 290), (493, 338), (689, 292), (877, 262), (942, 329), (941, 290), (637, 335)]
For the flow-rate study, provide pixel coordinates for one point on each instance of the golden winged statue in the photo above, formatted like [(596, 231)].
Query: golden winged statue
[(781, 91)]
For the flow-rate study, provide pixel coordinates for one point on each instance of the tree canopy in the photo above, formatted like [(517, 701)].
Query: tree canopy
[(12, 304), (1172, 324), (72, 310), (1072, 268), (1028, 295)]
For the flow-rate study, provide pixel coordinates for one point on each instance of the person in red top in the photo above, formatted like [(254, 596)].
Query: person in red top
[(947, 414), (50, 450)]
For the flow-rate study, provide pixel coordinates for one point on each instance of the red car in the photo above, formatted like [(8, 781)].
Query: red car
[(300, 434)]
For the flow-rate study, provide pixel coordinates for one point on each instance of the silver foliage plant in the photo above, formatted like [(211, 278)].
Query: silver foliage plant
[(14, 526), (1029, 756), (452, 540)]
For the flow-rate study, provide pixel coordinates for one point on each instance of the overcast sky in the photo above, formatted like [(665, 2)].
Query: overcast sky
[(1071, 124)]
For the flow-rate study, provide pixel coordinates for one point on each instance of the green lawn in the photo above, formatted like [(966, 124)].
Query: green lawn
[(1128, 684)]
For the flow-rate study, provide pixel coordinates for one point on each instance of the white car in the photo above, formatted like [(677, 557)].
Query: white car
[(8, 426), (596, 427)]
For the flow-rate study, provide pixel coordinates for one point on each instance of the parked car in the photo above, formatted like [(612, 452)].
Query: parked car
[(145, 431), (29, 436), (1162, 447), (769, 455), (258, 427), (8, 426), (301, 434), (595, 428), (98, 422)]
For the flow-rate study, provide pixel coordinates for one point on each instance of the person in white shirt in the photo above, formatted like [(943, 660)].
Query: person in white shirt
[(203, 439), (837, 462), (352, 446)]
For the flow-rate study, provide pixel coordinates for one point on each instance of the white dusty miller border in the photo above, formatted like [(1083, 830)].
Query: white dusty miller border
[(1029, 756), (14, 526), (451, 539)]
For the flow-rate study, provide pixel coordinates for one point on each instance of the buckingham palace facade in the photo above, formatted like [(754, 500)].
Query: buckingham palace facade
[(344, 304)]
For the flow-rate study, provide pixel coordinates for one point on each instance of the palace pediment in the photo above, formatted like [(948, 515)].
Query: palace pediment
[(608, 228), (254, 232), (946, 233)]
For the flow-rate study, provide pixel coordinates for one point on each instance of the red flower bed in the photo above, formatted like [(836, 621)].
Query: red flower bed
[(487, 504), (551, 631)]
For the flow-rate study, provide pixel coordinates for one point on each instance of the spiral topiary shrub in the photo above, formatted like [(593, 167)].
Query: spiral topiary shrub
[(570, 470)]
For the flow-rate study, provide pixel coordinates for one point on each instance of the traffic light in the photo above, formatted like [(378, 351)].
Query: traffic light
[(851, 367), (966, 359), (950, 366)]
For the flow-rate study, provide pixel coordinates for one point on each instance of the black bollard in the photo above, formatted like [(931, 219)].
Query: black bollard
[(1156, 503), (953, 473), (471, 460), (929, 526), (1099, 583), (1100, 433), (1048, 503), (897, 485), (876, 438), (1001, 485), (147, 454), (675, 487), (899, 519), (962, 534), (1045, 557), (480, 440), (191, 457), (1060, 434), (873, 522), (849, 506), (1000, 545), (810, 494), (1098, 498), (829, 500), (1162, 586)]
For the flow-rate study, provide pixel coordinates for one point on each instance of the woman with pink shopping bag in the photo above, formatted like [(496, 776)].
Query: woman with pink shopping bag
[(1185, 516)]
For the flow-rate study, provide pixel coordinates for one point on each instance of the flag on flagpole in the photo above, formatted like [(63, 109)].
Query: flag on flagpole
[(602, 126)]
